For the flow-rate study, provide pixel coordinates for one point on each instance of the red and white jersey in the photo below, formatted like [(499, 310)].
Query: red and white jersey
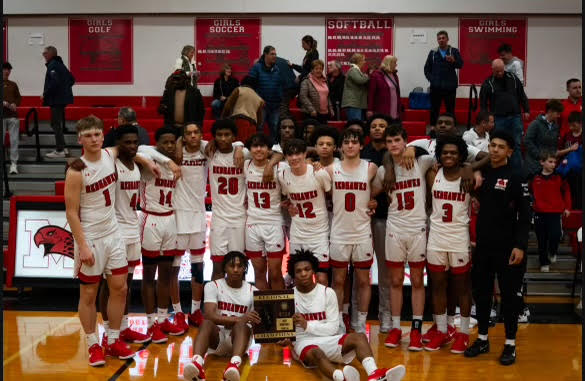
[(230, 301), (449, 228), (407, 208), (190, 192), (126, 201), (307, 194), (263, 198), (320, 309), (351, 195), (228, 191), (156, 194), (98, 193)]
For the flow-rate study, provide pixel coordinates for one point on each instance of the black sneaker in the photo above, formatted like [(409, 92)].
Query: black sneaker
[(478, 347), (508, 356)]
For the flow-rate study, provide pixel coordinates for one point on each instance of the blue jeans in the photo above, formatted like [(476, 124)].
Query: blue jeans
[(271, 116), (354, 113), (513, 126), (217, 107)]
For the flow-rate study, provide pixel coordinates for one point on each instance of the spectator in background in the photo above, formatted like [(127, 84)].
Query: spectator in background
[(57, 94), (126, 116), (222, 89), (574, 102), (571, 154), (314, 94), (503, 95), (310, 46), (290, 86), (355, 90), (10, 120), (512, 64), (384, 94), (308, 127), (244, 106), (186, 63), (181, 102), (440, 72), (479, 136), (270, 86), (542, 136), (336, 81)]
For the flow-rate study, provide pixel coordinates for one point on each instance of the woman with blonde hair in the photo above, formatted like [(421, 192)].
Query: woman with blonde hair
[(314, 94), (384, 91), (355, 90)]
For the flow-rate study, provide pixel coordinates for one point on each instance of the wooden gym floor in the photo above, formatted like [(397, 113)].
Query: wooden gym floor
[(51, 346)]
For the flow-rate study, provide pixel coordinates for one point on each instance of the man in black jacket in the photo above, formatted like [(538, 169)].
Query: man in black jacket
[(503, 95), (502, 237), (57, 94)]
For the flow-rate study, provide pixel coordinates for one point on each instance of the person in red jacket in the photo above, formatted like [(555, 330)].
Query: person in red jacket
[(571, 104), (384, 90), (552, 198)]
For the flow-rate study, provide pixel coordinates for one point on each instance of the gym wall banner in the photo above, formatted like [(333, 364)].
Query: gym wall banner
[(100, 50), (479, 39), (371, 36), (221, 40)]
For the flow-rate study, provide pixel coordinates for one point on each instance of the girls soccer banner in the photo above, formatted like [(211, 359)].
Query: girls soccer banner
[(479, 39), (369, 36), (100, 50), (235, 41)]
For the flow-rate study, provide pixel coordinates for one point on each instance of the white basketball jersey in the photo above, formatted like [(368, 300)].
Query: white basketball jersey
[(156, 194), (127, 200), (407, 207), (351, 194), (314, 306), (307, 194), (190, 192), (230, 301), (98, 193), (263, 198), (449, 230), (228, 191)]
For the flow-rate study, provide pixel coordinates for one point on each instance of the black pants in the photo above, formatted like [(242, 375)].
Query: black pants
[(487, 264), (437, 97), (547, 227), (57, 122), (575, 178)]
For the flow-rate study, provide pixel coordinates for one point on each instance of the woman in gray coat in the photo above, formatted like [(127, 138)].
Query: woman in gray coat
[(355, 90), (314, 94)]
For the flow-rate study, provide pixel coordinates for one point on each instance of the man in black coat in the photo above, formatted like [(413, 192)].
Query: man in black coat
[(57, 94)]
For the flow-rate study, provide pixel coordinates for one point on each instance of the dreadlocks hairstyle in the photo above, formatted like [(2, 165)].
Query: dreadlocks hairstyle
[(231, 258), (302, 256), (455, 140)]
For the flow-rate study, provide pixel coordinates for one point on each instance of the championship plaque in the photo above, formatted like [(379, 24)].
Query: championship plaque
[(276, 308)]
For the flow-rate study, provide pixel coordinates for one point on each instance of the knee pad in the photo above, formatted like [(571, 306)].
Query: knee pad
[(197, 272)]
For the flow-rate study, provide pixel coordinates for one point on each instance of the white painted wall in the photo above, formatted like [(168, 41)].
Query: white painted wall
[(554, 51)]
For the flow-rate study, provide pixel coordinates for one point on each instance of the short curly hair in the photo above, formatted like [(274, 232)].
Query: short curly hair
[(301, 256), (455, 140)]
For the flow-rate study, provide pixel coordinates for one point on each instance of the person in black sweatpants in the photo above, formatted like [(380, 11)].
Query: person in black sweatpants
[(502, 237)]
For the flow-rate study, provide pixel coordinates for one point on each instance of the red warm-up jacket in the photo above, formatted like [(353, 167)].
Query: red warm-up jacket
[(551, 194)]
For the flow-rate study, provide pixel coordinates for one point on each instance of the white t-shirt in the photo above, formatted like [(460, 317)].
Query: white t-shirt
[(473, 139)]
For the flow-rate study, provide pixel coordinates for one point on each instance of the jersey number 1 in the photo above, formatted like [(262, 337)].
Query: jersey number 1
[(107, 196)]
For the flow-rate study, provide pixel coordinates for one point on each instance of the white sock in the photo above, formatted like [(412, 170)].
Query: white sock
[(177, 307), (113, 335), (396, 322), (442, 322), (195, 305), (150, 319), (345, 308), (510, 342), (369, 365), (465, 325), (124, 323), (338, 375), (362, 316), (451, 320), (417, 317), (482, 337), (106, 326), (162, 314), (198, 359), (236, 360), (91, 339)]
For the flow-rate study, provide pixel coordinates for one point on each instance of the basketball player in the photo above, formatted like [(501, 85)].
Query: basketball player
[(159, 241), (406, 236), (265, 243), (306, 190), (351, 232), (90, 191), (319, 342), (229, 315), (448, 245)]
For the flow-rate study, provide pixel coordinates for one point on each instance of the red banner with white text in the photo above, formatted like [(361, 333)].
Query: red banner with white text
[(235, 41), (479, 39), (369, 36), (100, 50)]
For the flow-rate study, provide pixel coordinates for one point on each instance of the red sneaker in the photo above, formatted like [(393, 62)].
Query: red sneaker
[(96, 355), (451, 331), (384, 374), (171, 329), (196, 318), (120, 350), (461, 343), (439, 339), (231, 373), (156, 334), (428, 336), (346, 322), (393, 338), (415, 344), (194, 372), (181, 321), (131, 336)]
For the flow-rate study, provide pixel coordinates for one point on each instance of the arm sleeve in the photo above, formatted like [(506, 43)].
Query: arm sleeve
[(357, 76), (254, 72), (421, 143), (522, 201), (518, 70), (151, 153), (329, 326), (467, 137), (371, 93), (210, 293), (18, 96)]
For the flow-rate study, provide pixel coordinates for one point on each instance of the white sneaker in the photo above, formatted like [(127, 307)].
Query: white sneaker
[(13, 169), (523, 317), (56, 154), (396, 374), (553, 258), (544, 269), (493, 313), (350, 373)]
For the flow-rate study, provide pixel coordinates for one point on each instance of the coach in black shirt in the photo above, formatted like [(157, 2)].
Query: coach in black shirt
[(502, 237)]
